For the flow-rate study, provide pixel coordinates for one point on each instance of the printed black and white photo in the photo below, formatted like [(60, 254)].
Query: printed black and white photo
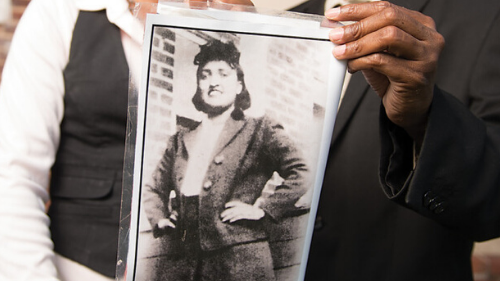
[(232, 129)]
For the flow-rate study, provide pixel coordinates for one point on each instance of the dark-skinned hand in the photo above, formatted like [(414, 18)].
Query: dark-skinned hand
[(397, 50)]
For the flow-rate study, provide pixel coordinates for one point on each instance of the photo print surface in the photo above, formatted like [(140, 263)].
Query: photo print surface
[(231, 131)]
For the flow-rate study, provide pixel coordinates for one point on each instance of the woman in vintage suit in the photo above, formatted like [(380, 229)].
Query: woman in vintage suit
[(205, 190)]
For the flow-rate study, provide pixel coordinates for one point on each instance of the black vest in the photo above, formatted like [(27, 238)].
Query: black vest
[(86, 179)]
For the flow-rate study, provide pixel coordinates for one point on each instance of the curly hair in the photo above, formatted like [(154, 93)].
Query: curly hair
[(217, 50)]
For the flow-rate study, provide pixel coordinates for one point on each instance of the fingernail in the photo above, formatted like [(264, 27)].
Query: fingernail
[(332, 13), (339, 50), (336, 33)]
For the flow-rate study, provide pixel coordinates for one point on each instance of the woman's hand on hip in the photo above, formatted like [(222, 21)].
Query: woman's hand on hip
[(237, 210)]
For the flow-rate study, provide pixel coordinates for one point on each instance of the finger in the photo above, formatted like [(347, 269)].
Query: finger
[(357, 12), (398, 70), (225, 217), (406, 91), (225, 214), (389, 39), (165, 224), (330, 23), (235, 219), (404, 76), (229, 213), (173, 218), (232, 204), (379, 82), (423, 19), (170, 224), (229, 216), (376, 15)]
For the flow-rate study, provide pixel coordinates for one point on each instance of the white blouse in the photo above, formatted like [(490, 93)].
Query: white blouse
[(201, 152)]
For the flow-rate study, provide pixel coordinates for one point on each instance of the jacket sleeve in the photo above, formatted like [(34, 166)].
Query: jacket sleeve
[(456, 180), (31, 108), (290, 165), (156, 193)]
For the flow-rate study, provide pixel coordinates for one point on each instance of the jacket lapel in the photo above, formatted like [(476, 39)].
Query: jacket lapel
[(358, 87), (188, 137), (231, 129)]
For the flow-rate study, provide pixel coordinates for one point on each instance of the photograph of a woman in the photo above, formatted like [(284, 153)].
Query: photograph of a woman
[(228, 155), (205, 191)]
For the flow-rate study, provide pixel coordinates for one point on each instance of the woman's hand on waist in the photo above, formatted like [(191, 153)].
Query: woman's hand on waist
[(237, 210)]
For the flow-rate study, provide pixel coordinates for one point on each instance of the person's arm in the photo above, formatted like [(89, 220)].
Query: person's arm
[(156, 194), (397, 50), (455, 180), (281, 155), (31, 108), (289, 162)]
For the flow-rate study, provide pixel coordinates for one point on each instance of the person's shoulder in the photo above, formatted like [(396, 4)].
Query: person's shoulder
[(265, 121), (53, 6), (50, 16), (272, 122)]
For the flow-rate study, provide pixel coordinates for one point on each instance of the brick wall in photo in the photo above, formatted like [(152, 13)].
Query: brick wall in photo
[(486, 259)]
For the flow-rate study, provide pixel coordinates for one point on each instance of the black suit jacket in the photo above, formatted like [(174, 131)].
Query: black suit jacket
[(365, 232)]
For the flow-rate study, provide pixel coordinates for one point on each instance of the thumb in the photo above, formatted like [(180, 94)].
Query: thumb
[(378, 82)]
